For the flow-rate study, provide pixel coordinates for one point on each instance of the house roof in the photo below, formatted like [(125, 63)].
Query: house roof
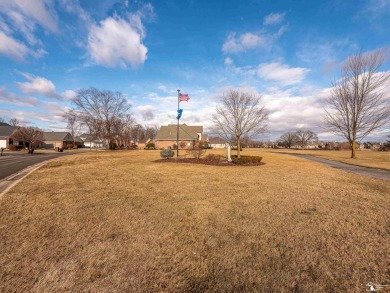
[(78, 139), (7, 130), (4, 124), (185, 132), (205, 137), (55, 136), (216, 140), (145, 140)]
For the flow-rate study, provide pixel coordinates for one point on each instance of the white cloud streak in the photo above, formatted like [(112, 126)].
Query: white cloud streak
[(12, 48), (274, 18), (24, 17), (38, 85), (282, 73), (243, 42), (17, 100)]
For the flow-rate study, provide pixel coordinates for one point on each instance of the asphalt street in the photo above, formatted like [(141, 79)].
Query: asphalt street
[(11, 163)]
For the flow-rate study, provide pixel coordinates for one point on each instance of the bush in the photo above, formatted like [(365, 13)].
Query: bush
[(166, 154), (215, 158), (12, 147), (196, 150), (112, 145), (246, 160), (150, 146)]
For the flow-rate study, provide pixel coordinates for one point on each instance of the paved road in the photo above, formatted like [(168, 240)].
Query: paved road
[(11, 163), (371, 172)]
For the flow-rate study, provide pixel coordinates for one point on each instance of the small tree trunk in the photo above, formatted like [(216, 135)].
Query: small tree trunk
[(238, 148), (353, 149)]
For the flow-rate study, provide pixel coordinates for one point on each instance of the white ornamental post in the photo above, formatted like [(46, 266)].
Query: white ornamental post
[(228, 149)]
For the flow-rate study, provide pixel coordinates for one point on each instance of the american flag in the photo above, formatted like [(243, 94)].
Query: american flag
[(184, 97)]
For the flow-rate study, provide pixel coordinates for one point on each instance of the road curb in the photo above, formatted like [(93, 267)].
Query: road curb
[(7, 183)]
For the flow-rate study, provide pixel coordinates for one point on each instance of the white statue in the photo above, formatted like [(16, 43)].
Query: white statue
[(228, 149)]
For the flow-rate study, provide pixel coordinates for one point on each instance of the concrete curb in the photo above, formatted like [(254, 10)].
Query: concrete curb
[(7, 183)]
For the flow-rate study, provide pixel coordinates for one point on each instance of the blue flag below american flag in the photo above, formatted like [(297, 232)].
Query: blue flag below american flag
[(179, 113), (184, 97)]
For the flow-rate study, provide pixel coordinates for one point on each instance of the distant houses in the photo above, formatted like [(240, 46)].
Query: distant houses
[(217, 143), (90, 142)]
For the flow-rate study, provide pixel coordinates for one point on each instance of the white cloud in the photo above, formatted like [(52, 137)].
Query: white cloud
[(24, 17), (12, 48), (317, 49), (40, 11), (117, 42), (228, 61), (38, 85), (282, 73), (236, 44), (273, 18), (69, 94), (16, 100)]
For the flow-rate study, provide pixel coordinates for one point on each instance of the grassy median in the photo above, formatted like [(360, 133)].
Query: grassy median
[(119, 222)]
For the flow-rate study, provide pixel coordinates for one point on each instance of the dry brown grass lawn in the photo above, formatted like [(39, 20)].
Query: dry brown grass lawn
[(366, 158), (117, 222)]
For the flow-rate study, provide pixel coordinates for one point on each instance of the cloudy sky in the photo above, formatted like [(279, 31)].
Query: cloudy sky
[(286, 51)]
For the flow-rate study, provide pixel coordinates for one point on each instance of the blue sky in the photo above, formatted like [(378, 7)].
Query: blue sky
[(286, 51)]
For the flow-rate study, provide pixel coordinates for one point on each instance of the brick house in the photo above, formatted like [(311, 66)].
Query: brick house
[(166, 136), (57, 139), (6, 132)]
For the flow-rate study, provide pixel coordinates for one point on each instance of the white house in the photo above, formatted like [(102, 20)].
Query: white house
[(217, 143)]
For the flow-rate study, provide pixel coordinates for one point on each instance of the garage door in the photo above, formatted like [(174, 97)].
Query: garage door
[(3, 143)]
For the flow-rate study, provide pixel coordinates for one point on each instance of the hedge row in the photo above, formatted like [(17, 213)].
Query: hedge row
[(246, 160)]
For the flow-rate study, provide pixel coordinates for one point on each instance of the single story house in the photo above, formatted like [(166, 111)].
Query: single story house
[(217, 143), (90, 142), (6, 132), (166, 136), (57, 139)]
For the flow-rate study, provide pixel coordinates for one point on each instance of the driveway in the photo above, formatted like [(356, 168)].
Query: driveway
[(370, 172)]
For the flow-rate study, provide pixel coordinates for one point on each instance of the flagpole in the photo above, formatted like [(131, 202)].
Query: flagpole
[(177, 133)]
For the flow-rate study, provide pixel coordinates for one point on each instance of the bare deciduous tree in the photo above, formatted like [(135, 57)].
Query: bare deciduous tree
[(357, 105), (29, 134), (151, 131), (73, 125), (288, 139), (100, 110), (14, 122), (303, 137), (137, 133), (239, 115)]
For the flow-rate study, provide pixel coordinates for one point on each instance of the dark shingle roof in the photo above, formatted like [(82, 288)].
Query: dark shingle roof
[(7, 130), (216, 140), (4, 124), (185, 132), (78, 139), (56, 136)]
